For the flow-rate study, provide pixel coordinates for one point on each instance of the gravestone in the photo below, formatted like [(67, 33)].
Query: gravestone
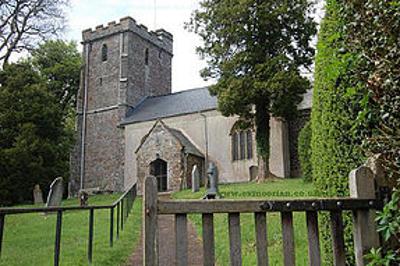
[(195, 179), (253, 172), (56, 193), (37, 195), (212, 192)]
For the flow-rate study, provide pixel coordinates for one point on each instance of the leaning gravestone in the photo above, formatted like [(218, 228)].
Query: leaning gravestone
[(37, 195), (56, 193), (195, 179)]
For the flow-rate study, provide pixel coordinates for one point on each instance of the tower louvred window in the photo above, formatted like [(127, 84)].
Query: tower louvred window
[(104, 53), (146, 56)]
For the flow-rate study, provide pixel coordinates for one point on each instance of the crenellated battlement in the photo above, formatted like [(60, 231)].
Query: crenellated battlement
[(159, 37)]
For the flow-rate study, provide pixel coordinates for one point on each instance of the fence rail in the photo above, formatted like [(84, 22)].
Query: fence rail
[(249, 206), (123, 205), (361, 204)]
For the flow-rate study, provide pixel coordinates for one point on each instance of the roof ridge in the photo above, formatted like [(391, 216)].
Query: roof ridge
[(178, 92)]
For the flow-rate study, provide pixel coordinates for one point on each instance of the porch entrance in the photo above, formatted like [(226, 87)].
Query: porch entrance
[(158, 168)]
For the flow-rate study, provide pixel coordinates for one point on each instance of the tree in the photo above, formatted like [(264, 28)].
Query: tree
[(255, 49), (23, 24), (59, 63), (33, 143)]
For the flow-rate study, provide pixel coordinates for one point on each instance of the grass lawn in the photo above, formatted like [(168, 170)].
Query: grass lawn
[(279, 189), (29, 238)]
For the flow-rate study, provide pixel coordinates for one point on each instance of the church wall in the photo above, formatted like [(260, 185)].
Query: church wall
[(147, 80), (104, 154), (192, 125), (104, 141), (103, 80)]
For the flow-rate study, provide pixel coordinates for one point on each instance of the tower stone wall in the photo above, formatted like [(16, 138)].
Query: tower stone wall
[(137, 65)]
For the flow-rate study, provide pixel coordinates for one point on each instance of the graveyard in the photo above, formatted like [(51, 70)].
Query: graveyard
[(29, 239), (33, 234)]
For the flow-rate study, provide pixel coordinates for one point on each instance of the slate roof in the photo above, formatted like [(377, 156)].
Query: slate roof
[(179, 103), (188, 146), (186, 143)]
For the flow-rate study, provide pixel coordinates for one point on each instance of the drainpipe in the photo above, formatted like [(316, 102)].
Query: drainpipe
[(206, 139), (83, 133)]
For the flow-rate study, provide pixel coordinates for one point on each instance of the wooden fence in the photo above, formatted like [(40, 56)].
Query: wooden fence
[(362, 203), (123, 207)]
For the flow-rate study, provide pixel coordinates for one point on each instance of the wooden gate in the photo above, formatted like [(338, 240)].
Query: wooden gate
[(362, 203)]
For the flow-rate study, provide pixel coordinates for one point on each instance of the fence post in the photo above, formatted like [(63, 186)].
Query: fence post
[(58, 238), (111, 226), (90, 242), (2, 220), (150, 228), (362, 186)]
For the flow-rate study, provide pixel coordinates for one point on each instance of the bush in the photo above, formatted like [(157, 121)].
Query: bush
[(373, 34), (304, 149), (335, 152)]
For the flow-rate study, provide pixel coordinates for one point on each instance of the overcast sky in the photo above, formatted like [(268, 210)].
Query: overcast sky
[(168, 14)]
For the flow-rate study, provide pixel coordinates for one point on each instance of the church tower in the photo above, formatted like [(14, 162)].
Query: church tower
[(123, 64)]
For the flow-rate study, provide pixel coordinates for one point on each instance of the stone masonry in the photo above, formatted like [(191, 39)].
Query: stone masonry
[(138, 65), (161, 144)]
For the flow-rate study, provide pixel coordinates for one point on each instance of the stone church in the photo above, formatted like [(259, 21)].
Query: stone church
[(129, 123)]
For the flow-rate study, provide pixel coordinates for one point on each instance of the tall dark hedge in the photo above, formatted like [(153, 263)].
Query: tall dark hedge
[(335, 152)]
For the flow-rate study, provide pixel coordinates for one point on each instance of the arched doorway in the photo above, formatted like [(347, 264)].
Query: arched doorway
[(158, 168)]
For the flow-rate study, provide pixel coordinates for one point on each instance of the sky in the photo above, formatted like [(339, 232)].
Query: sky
[(167, 14)]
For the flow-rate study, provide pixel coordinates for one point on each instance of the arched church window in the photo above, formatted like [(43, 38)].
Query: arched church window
[(104, 53), (242, 143), (146, 56), (249, 144)]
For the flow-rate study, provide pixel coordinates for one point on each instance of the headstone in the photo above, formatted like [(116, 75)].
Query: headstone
[(375, 164), (362, 186), (253, 172), (195, 179), (37, 195), (56, 193), (212, 192), (83, 198)]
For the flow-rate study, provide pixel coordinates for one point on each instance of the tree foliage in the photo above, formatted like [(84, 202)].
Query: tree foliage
[(255, 49), (23, 24), (33, 144), (59, 63), (36, 110)]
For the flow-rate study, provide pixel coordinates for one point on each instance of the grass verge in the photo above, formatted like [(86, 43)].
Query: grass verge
[(29, 238)]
